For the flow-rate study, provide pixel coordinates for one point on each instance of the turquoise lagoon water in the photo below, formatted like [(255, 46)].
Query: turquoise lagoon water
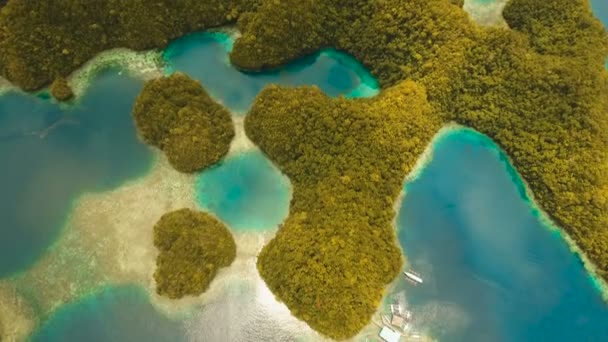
[(204, 56), (492, 271), (112, 315), (246, 191), (97, 149), (52, 154), (600, 8)]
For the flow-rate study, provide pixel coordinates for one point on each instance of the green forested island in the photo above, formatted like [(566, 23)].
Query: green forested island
[(193, 246), (538, 88), (177, 115), (46, 39), (337, 250)]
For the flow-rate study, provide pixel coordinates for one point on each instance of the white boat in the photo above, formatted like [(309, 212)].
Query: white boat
[(413, 277), (389, 335)]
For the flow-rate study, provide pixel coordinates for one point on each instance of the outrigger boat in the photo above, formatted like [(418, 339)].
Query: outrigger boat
[(413, 277)]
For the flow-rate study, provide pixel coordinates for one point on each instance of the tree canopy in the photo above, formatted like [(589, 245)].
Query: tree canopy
[(45, 39), (537, 89), (60, 89), (177, 115), (337, 250), (192, 246)]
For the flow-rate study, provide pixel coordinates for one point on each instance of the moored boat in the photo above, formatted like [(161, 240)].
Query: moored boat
[(413, 277)]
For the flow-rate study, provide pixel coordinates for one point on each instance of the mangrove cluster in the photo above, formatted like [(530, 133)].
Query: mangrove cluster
[(177, 115), (46, 39), (192, 246), (537, 88), (61, 90), (337, 250)]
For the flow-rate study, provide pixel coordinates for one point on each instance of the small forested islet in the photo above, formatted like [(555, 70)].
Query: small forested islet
[(192, 246), (177, 115)]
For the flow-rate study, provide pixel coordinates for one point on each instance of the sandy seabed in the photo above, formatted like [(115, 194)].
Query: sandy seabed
[(108, 240), (143, 65), (488, 14)]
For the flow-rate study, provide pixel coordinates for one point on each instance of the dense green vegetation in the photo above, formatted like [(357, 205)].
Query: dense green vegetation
[(177, 115), (558, 27), (60, 89), (393, 38), (45, 39), (333, 256), (539, 90), (193, 246)]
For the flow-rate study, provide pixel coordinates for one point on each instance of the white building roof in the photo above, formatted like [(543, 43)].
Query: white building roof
[(389, 335)]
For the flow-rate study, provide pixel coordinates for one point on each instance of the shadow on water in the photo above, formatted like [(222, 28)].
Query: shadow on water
[(472, 234), (52, 154)]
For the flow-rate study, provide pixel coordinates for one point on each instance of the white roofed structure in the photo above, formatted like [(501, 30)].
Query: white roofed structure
[(389, 335)]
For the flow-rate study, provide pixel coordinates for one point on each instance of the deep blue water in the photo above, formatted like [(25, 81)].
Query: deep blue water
[(493, 272), (112, 315), (93, 148), (246, 191), (204, 56)]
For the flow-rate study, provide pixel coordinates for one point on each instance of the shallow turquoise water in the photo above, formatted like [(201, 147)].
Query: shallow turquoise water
[(114, 314), (492, 271), (335, 73), (246, 191), (600, 9), (93, 148)]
